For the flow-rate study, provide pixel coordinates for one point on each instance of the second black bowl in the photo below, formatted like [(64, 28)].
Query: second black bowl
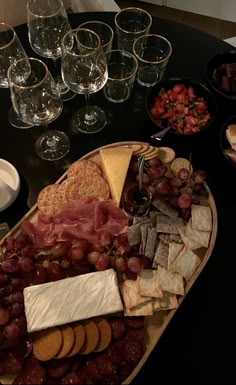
[(200, 91)]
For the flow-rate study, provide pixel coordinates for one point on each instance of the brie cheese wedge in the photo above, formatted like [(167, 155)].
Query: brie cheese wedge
[(71, 299)]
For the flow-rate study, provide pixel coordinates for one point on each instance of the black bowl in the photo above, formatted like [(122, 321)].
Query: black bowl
[(224, 144), (200, 90), (215, 63)]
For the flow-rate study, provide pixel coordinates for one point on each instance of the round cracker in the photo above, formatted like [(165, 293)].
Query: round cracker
[(152, 155), (136, 147), (149, 150), (68, 341), (50, 199), (80, 336), (47, 344), (179, 163), (166, 154), (75, 169), (92, 337), (105, 334), (142, 150), (93, 186)]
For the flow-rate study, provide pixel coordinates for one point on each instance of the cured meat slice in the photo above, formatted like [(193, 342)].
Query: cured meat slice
[(73, 378), (118, 327), (83, 219), (136, 335), (133, 351), (134, 322), (57, 368), (32, 373)]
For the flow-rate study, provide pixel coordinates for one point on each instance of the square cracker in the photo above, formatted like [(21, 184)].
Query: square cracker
[(144, 235), (169, 301), (161, 255), (131, 295), (189, 243), (148, 284), (201, 237), (143, 309), (165, 208), (186, 263), (174, 250), (134, 235), (169, 281), (201, 218)]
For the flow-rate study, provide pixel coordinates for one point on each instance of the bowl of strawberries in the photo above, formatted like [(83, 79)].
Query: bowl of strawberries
[(185, 105)]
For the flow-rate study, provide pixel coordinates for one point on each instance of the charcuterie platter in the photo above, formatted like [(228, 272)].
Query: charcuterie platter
[(96, 270)]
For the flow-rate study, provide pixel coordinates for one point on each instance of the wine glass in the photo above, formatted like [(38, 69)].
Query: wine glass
[(36, 99), (48, 22), (84, 70), (10, 51)]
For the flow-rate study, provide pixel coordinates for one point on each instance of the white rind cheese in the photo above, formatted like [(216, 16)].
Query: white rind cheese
[(71, 299)]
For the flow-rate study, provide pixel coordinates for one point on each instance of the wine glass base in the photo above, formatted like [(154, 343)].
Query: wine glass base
[(15, 121), (89, 120), (52, 147)]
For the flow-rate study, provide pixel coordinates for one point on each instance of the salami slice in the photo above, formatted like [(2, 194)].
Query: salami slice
[(32, 373), (134, 322), (124, 370), (57, 368), (118, 327), (135, 335), (133, 351), (114, 354), (105, 365), (73, 378)]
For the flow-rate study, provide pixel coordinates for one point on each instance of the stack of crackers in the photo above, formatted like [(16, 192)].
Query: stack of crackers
[(84, 179), (175, 249)]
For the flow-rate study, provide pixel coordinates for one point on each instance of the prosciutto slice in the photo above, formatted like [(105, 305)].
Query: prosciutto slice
[(80, 219)]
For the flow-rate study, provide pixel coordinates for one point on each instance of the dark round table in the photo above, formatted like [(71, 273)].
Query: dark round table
[(198, 346)]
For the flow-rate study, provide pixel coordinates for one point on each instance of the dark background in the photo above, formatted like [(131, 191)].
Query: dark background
[(198, 347)]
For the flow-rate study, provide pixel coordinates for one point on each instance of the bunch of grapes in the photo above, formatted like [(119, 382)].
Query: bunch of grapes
[(180, 190)]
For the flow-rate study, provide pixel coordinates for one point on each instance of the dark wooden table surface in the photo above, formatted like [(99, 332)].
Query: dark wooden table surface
[(198, 346)]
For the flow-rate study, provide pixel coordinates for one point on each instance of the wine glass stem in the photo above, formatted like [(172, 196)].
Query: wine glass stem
[(89, 117), (57, 67), (51, 142)]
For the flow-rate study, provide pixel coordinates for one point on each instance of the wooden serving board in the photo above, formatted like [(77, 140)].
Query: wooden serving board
[(157, 323)]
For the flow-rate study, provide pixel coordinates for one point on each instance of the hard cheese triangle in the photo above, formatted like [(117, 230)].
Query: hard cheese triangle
[(115, 164)]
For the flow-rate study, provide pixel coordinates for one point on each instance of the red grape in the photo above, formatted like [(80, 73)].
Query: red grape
[(157, 172), (3, 280), (174, 202), (40, 274), (81, 267), (21, 240), (153, 191), (105, 238), (185, 213), (75, 254), (183, 174), (199, 176), (155, 162), (4, 316), (134, 167), (83, 244), (2, 293), (135, 264), (184, 201), (175, 182), (163, 188), (147, 262), (26, 264), (97, 247), (16, 310), (93, 256), (102, 262), (22, 324), (145, 178), (60, 249), (18, 284), (197, 187), (55, 272), (11, 331), (10, 266), (120, 264), (29, 252), (9, 243), (65, 263), (16, 297)]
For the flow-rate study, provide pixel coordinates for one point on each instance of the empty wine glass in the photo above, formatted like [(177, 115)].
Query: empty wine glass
[(10, 51), (47, 24), (104, 31), (84, 70), (36, 99)]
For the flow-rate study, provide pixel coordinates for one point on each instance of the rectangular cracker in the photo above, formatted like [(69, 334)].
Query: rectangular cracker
[(174, 250), (144, 234), (189, 243), (131, 295), (186, 263), (161, 255), (143, 309), (134, 235), (201, 237), (169, 281), (201, 218), (148, 284), (165, 208), (151, 243)]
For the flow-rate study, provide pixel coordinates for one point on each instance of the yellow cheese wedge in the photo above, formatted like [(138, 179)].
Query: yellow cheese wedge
[(115, 164)]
